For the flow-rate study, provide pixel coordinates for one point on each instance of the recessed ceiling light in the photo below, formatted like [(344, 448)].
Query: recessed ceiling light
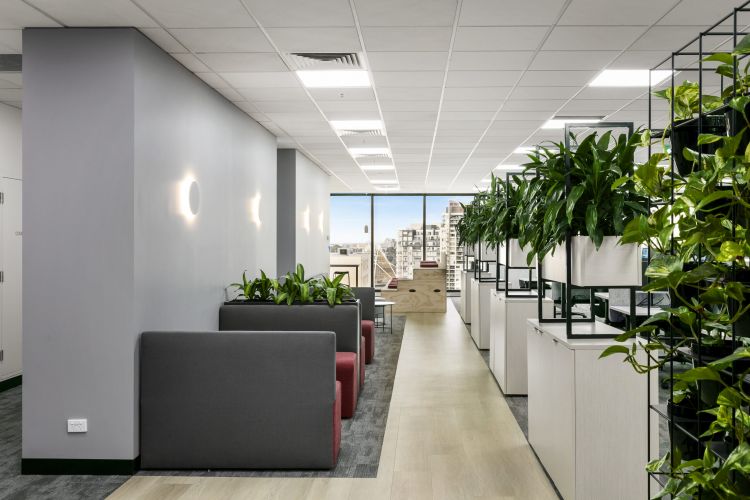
[(377, 168), (334, 78), (385, 182), (523, 150), (369, 151), (506, 168), (486, 180), (629, 77), (387, 188), (357, 125), (560, 121)]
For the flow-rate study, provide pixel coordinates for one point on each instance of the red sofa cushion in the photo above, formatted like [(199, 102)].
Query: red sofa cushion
[(428, 263), (346, 373), (393, 284), (362, 349), (368, 332), (337, 424)]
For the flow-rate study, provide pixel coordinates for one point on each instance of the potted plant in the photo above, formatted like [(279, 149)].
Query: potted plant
[(686, 102), (585, 194), (504, 227)]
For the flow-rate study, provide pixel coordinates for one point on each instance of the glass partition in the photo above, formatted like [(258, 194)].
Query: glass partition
[(350, 248)]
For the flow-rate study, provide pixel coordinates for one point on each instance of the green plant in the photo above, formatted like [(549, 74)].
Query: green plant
[(582, 190), (687, 100), (295, 288)]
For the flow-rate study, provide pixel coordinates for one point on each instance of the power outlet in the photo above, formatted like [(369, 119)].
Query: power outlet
[(78, 425)]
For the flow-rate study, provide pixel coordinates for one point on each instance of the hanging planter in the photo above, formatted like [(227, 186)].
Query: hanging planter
[(516, 255), (611, 265)]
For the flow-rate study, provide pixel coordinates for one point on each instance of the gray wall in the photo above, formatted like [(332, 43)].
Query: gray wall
[(286, 187), (112, 125), (303, 211)]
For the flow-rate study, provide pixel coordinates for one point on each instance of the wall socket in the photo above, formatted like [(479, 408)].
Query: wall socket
[(78, 425)]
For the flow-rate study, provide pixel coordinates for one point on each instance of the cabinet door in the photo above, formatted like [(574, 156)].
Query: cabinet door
[(10, 289), (539, 404), (562, 459)]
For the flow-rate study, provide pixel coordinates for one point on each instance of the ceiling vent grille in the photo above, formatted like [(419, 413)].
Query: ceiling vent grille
[(325, 60), (352, 133)]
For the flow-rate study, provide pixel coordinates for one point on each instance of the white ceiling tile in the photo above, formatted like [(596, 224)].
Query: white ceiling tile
[(482, 78), (212, 79), (243, 61), (700, 12), (572, 60), (95, 13), (191, 62), (409, 93), (354, 106), (388, 105), (560, 78), (471, 38), (352, 114), (593, 106), (289, 106), (406, 39), (350, 94), (223, 39), (533, 104), (491, 60), (467, 115), (406, 13), (296, 13), (407, 61), (485, 105), (408, 79), (611, 93), (15, 14), (198, 13), (261, 79), (598, 12), (509, 12), (272, 93), (10, 41), (476, 93), (665, 38), (639, 59), (547, 92), (586, 37), (391, 116), (230, 94), (164, 40), (315, 39), (515, 116), (463, 124), (364, 141)]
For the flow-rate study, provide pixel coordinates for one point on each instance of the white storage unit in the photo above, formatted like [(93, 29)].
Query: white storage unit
[(10, 278), (588, 417), (508, 356), (611, 265), (480, 312), (464, 305)]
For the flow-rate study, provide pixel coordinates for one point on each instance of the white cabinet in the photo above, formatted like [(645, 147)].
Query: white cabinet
[(480, 312), (10, 287), (588, 417), (464, 306), (508, 354)]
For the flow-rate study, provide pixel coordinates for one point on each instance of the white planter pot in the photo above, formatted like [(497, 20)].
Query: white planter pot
[(516, 254), (489, 253), (611, 265)]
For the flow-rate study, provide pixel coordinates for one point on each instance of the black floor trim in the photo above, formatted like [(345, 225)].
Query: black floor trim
[(45, 466), (11, 383)]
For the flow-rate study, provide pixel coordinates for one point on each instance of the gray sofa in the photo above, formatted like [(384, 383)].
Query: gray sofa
[(366, 296), (249, 400)]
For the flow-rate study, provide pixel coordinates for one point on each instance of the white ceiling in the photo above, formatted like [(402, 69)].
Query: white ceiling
[(460, 84)]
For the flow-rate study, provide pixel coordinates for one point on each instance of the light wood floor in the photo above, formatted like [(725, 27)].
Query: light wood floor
[(450, 435)]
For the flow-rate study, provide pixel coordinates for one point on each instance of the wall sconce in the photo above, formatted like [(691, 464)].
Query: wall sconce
[(254, 209), (306, 219), (189, 198)]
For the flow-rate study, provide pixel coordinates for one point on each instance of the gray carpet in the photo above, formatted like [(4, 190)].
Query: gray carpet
[(361, 439)]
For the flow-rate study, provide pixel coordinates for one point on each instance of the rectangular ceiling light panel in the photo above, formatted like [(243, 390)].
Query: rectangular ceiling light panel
[(334, 78)]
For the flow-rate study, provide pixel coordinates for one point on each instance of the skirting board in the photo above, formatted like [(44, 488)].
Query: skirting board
[(64, 466), (11, 383)]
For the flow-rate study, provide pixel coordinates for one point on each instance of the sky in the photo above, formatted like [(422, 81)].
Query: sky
[(350, 214)]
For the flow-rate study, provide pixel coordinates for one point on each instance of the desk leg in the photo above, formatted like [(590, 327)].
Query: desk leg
[(390, 329)]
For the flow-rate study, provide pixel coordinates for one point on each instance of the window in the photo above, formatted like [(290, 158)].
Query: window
[(443, 213), (350, 251), (398, 237)]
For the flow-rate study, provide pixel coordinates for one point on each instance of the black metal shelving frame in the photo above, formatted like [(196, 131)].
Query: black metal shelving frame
[(689, 60), (483, 265), (504, 285), (566, 300)]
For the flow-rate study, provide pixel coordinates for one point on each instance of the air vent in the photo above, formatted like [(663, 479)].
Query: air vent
[(325, 60), (352, 133), (10, 62)]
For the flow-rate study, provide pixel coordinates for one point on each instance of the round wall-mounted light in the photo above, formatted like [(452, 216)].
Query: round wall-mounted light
[(190, 198)]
